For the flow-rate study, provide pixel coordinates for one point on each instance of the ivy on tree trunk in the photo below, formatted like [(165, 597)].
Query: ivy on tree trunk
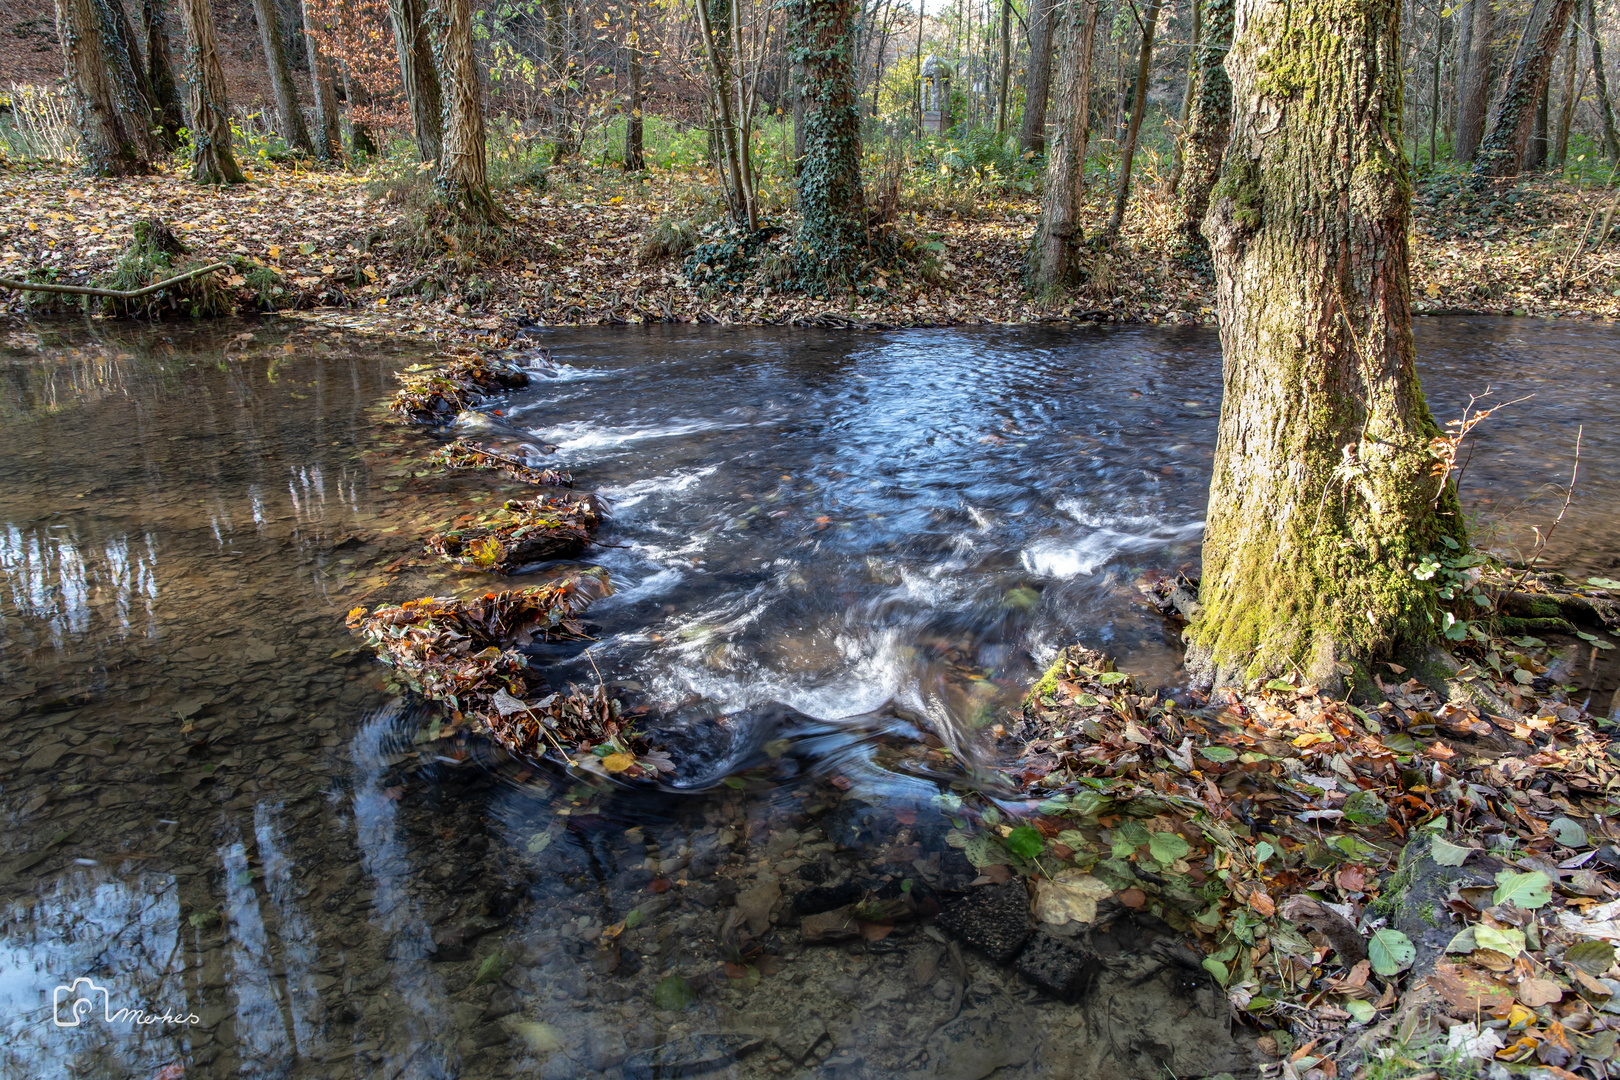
[(1323, 495), (275, 60), (1211, 121), (463, 179), (1503, 152), (116, 141), (212, 159), (833, 239), (160, 72), (418, 75)]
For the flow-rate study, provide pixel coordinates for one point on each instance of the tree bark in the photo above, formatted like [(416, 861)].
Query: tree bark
[(1038, 78), (275, 59), (634, 159), (1502, 153), (1054, 259), (1611, 139), (419, 76), (327, 136), (212, 159), (463, 179), (1211, 121), (130, 73), (1474, 83), (1006, 67), (1535, 152), (561, 122), (160, 72), (1190, 91), (1127, 156), (1322, 497), (1566, 107), (361, 142), (832, 239), (112, 123)]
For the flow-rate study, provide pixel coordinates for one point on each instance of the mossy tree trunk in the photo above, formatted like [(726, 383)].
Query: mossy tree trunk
[(128, 71), (160, 71), (1474, 82), (419, 76), (1211, 121), (212, 159), (112, 125), (833, 239), (328, 134), (463, 178), (275, 60), (1037, 77), (1322, 497), (1054, 255), (1503, 151)]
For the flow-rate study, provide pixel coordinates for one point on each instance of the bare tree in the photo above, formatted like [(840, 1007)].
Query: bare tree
[(275, 59), (212, 160), (328, 136), (634, 160), (1054, 260), (1611, 140)]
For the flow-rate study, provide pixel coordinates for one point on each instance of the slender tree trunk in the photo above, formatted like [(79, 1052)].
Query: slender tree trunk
[(1144, 68), (112, 123), (1211, 121), (562, 142), (1054, 259), (1535, 152), (634, 159), (1322, 497), (419, 75), (1038, 78), (1566, 107), (798, 116), (1611, 139), (275, 58), (832, 239), (1474, 83), (1502, 153), (1434, 88), (212, 159), (1179, 164), (714, 22), (327, 136), (361, 142), (160, 71), (463, 179), (1006, 67)]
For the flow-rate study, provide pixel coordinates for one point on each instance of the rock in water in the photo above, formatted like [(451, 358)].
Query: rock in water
[(976, 1044), (992, 918), (689, 1056), (1057, 966)]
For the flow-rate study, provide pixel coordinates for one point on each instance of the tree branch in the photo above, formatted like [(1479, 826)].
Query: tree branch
[(116, 294)]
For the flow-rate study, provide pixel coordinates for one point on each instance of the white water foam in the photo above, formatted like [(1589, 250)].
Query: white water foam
[(1063, 558), (628, 495), (587, 435)]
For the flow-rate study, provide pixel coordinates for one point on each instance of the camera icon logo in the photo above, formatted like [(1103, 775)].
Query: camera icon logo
[(76, 1002)]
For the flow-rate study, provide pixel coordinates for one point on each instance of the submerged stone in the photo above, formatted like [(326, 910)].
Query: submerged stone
[(1057, 966), (992, 918)]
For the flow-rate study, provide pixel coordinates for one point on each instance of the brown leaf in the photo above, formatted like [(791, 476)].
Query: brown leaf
[(1468, 993), (1534, 992), (1133, 899)]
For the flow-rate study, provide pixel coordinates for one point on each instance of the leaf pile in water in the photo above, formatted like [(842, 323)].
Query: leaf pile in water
[(464, 653), (1270, 826), (463, 453), (520, 533), (434, 393)]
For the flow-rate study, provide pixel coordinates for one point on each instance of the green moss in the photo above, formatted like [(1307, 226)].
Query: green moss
[(1047, 682)]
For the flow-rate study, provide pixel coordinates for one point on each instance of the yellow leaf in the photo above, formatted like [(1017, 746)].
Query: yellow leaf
[(1311, 738), (617, 762), (275, 252)]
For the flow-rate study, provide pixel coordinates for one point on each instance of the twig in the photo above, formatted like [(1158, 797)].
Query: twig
[(116, 294), (1569, 496)]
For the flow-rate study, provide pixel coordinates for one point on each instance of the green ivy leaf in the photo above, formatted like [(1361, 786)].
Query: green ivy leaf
[(1390, 951), (1110, 678)]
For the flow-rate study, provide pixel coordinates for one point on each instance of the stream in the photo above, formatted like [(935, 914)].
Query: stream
[(844, 548)]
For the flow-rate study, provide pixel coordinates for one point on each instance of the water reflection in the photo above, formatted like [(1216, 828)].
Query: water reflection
[(855, 544)]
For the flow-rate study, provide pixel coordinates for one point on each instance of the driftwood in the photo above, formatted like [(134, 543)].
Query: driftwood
[(115, 294)]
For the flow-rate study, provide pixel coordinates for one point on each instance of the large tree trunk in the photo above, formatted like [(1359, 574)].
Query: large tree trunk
[(418, 75), (1189, 91), (1322, 497), (275, 59), (1037, 79), (129, 72), (634, 159), (1054, 256), (328, 134), (1211, 121), (1474, 83), (160, 72), (212, 160), (1611, 140), (1566, 107), (832, 206), (1127, 155), (1503, 151), (463, 179), (113, 122)]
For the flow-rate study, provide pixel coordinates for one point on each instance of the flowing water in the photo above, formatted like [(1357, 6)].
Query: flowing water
[(850, 544)]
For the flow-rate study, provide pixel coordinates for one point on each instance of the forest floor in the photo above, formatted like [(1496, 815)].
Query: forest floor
[(572, 253)]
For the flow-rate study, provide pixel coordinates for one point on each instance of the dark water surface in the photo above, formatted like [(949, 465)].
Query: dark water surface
[(215, 809)]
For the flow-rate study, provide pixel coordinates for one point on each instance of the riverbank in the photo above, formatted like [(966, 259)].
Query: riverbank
[(576, 253)]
